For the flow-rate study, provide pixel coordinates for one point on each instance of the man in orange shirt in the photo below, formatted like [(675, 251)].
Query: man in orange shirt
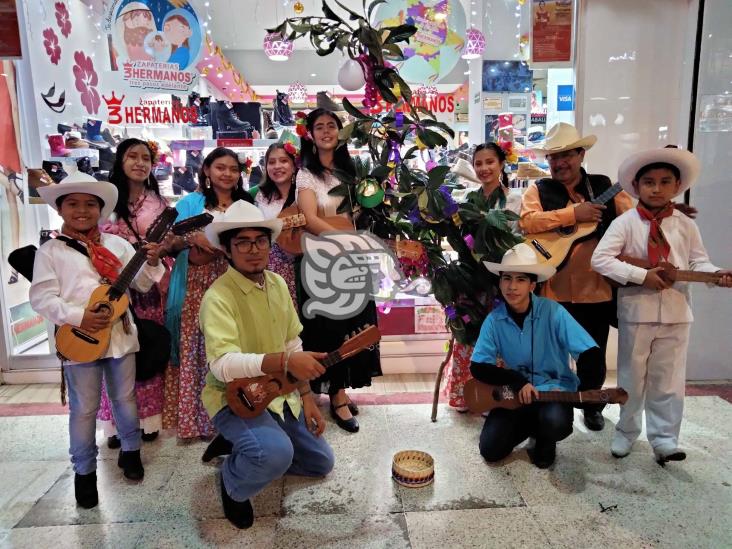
[(563, 201)]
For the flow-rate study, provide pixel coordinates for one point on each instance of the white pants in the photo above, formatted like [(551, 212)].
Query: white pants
[(652, 369)]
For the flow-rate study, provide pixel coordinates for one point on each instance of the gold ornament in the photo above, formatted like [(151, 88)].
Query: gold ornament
[(298, 7), (521, 2)]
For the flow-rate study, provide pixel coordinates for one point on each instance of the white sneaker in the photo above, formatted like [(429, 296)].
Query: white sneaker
[(621, 446)]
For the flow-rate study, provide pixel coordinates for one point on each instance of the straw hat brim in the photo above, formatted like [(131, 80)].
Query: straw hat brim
[(586, 143), (688, 165), (104, 190), (543, 271), (217, 227)]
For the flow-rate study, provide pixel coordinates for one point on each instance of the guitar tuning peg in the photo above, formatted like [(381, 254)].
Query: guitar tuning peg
[(345, 337)]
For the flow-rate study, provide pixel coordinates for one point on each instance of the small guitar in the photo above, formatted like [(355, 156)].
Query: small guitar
[(74, 343), (669, 273), (249, 397), (293, 226), (481, 397), (554, 246)]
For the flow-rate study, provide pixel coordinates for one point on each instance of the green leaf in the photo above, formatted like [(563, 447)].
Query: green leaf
[(353, 111), (394, 51), (352, 15), (373, 5), (346, 132), (431, 138), (330, 14), (437, 176), (406, 91), (402, 33), (381, 172)]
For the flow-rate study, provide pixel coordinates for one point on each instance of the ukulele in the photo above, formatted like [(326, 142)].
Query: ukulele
[(481, 397), (293, 226), (79, 345), (248, 397), (669, 273), (553, 246)]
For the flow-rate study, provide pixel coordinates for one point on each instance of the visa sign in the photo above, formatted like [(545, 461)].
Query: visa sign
[(565, 97)]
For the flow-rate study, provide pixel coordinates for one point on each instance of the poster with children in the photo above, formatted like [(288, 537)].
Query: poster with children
[(154, 43)]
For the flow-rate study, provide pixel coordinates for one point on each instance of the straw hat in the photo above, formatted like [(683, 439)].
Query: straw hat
[(241, 215), (521, 259), (686, 162), (80, 182), (565, 137), (529, 170), (464, 169)]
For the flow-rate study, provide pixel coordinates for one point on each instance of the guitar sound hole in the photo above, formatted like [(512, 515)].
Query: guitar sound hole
[(497, 395), (566, 231)]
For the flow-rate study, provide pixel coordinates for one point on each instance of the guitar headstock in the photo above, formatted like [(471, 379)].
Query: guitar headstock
[(192, 224), (367, 337), (161, 225)]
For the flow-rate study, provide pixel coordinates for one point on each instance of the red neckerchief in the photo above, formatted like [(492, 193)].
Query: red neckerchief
[(105, 262), (658, 247)]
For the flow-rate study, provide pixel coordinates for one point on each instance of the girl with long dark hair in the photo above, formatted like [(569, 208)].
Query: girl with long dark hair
[(139, 203), (489, 164), (275, 193), (197, 266), (322, 155)]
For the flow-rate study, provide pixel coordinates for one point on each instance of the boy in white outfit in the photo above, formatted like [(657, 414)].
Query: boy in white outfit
[(654, 313)]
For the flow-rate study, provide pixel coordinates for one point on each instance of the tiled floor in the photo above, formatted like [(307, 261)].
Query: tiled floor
[(470, 504)]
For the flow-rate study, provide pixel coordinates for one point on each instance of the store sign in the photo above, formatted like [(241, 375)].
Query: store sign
[(155, 43), (441, 103), (565, 97), (551, 31), (148, 111)]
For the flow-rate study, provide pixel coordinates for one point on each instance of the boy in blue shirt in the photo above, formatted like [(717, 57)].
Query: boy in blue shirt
[(534, 338)]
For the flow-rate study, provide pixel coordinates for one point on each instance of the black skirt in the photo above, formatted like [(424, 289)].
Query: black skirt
[(324, 334)]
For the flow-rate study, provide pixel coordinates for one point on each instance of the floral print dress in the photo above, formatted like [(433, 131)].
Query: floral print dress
[(149, 306)]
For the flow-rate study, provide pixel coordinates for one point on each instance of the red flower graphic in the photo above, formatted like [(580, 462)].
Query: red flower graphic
[(86, 81), (63, 19), (50, 42)]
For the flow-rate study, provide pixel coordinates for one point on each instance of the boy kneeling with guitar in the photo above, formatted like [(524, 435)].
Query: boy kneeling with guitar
[(642, 250), (252, 330), (534, 337), (67, 271)]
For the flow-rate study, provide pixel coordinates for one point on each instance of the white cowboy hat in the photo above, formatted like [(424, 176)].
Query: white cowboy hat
[(688, 165), (564, 137), (521, 259), (80, 182), (463, 168), (240, 215)]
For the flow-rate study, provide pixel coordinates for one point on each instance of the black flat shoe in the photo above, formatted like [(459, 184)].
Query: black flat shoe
[(352, 407), (149, 437), (543, 454), (594, 420), (677, 455), (218, 447), (350, 425), (131, 464), (85, 490), (239, 513), (113, 442)]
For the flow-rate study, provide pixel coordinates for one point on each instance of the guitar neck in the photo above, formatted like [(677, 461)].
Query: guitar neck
[(696, 276), (608, 194), (128, 273), (566, 397)]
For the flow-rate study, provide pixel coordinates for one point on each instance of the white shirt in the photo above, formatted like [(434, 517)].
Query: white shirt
[(327, 203), (269, 209), (233, 366), (628, 235), (63, 280)]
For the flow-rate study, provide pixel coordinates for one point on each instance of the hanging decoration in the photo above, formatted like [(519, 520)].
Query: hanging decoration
[(350, 76), (277, 47), (297, 93), (298, 8), (474, 44), (369, 193)]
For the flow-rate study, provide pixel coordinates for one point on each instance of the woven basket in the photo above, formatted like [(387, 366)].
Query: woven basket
[(413, 469)]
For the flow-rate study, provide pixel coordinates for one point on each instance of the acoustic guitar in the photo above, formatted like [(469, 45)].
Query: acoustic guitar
[(293, 226), (553, 246), (79, 345), (669, 273), (249, 397), (481, 397)]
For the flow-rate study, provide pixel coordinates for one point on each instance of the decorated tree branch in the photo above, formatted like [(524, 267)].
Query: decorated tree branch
[(394, 200)]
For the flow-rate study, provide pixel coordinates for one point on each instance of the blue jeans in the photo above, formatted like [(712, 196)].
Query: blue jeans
[(84, 384), (265, 448)]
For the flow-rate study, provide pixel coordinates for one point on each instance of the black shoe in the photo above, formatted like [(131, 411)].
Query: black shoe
[(113, 442), (149, 437), (352, 407), (594, 420), (131, 464), (543, 453), (350, 425), (85, 490), (218, 447), (677, 455), (239, 513)]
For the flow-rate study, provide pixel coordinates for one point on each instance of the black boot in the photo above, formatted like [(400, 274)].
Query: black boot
[(113, 442), (543, 453), (594, 420), (131, 464), (239, 513), (85, 490), (228, 119), (218, 447), (149, 437), (281, 108)]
